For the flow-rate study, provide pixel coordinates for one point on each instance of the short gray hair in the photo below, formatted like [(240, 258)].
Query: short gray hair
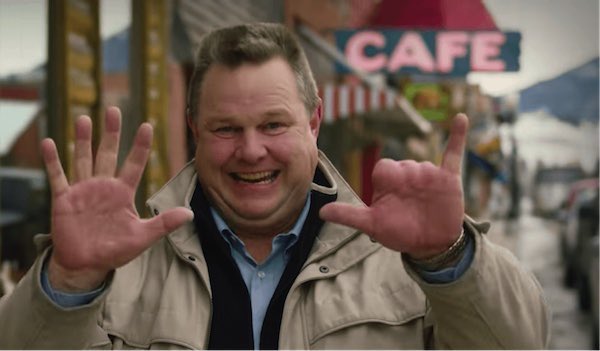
[(252, 43)]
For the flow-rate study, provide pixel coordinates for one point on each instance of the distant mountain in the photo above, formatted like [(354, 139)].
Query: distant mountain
[(115, 53), (571, 96), (115, 59), (33, 76)]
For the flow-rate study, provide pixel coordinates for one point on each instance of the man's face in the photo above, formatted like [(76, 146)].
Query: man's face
[(256, 145)]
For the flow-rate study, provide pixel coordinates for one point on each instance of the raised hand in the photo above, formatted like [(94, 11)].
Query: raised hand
[(417, 208), (95, 227)]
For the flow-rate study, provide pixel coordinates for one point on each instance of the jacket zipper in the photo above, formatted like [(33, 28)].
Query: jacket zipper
[(184, 259), (298, 283)]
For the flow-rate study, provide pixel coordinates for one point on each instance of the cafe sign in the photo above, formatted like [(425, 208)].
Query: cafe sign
[(453, 53)]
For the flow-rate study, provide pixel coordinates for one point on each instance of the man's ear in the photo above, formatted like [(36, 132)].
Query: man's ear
[(191, 124), (316, 118)]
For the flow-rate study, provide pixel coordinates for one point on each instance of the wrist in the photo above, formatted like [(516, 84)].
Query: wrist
[(447, 258), (73, 281)]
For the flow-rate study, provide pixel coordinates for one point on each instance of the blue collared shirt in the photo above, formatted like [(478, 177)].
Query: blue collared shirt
[(262, 278)]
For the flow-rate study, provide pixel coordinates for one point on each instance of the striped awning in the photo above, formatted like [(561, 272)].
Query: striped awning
[(341, 101)]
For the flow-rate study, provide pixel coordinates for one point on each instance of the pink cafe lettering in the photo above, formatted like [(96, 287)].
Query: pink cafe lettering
[(454, 53)]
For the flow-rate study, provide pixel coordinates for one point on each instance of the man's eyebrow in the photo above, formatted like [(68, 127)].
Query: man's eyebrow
[(216, 118), (276, 112)]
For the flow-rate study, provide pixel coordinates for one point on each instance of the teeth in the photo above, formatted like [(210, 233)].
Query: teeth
[(254, 176), (258, 177)]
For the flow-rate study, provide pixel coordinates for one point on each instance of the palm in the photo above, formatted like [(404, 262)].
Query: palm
[(95, 227), (417, 207), (420, 201)]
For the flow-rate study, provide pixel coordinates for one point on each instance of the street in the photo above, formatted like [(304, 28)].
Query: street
[(535, 242)]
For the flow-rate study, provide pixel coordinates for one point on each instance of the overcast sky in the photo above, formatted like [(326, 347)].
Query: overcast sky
[(556, 35), (23, 30)]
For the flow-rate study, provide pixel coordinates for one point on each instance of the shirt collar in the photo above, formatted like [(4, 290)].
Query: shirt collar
[(294, 233)]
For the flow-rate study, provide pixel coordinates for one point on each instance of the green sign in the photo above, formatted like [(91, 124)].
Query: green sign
[(430, 99)]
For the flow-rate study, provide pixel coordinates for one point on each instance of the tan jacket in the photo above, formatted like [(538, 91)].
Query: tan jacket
[(352, 293)]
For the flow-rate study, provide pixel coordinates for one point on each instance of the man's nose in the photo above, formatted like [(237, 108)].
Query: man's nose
[(251, 147)]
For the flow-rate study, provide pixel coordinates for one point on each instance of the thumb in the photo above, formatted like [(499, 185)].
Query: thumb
[(167, 221), (345, 214)]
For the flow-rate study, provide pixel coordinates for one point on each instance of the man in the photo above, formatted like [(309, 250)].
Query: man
[(263, 263)]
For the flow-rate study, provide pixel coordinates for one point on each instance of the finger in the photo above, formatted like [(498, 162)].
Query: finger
[(83, 148), (349, 215), (134, 165), (167, 222), (106, 158), (452, 159), (56, 175)]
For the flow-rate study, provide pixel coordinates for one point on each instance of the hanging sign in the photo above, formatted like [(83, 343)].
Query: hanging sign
[(453, 53)]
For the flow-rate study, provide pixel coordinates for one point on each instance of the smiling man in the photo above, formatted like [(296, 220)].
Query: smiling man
[(259, 243), (256, 148)]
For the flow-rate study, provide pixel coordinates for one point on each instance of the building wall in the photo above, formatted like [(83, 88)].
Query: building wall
[(25, 152)]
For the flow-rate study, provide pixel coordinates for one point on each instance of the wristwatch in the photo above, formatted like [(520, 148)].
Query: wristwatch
[(445, 259)]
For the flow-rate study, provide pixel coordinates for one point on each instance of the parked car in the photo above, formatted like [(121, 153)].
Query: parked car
[(567, 215), (587, 183), (551, 188), (593, 288), (580, 229), (23, 213)]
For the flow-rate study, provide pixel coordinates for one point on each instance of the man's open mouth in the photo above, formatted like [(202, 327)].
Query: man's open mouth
[(255, 178)]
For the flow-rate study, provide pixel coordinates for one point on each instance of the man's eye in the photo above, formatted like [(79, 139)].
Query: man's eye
[(226, 131), (273, 127)]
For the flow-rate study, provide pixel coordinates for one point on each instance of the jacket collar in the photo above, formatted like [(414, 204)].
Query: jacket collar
[(178, 191), (333, 236)]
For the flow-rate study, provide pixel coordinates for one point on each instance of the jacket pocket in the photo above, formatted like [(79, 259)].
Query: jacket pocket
[(351, 312), (374, 335)]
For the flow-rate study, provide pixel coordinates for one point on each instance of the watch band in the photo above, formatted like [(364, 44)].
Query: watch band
[(442, 260)]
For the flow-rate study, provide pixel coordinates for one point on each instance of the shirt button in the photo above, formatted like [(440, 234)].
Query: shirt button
[(261, 274)]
